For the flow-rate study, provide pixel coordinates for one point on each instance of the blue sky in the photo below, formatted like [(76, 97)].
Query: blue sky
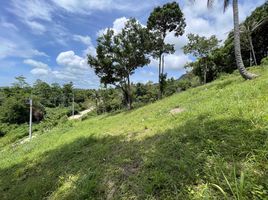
[(49, 39)]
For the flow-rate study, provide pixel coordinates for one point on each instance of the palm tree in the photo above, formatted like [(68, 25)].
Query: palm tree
[(239, 62), (248, 27)]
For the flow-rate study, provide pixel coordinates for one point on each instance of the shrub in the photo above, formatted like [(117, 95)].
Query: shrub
[(264, 61), (53, 117), (14, 110)]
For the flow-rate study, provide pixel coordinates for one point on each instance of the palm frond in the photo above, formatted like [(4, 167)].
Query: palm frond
[(260, 24), (210, 3), (225, 5)]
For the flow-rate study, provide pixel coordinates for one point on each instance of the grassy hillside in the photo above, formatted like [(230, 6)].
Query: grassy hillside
[(216, 148)]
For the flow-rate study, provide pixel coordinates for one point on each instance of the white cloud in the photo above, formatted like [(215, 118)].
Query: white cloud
[(71, 67), (91, 50), (36, 27), (88, 6), (70, 59), (147, 73), (84, 39), (17, 47), (117, 27), (39, 72), (39, 68), (36, 64), (39, 15), (8, 25), (75, 68), (174, 61), (31, 11)]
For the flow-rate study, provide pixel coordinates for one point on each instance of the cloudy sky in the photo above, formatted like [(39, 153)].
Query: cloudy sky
[(49, 39)]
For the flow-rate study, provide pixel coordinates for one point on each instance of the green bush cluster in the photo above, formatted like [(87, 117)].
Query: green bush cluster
[(264, 61)]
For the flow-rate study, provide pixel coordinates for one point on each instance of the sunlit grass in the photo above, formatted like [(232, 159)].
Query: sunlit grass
[(149, 153)]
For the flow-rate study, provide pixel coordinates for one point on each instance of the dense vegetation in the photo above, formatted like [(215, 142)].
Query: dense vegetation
[(206, 142), (222, 59), (50, 103), (214, 146)]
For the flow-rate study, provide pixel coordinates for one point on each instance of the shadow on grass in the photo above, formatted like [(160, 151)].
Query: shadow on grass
[(164, 166)]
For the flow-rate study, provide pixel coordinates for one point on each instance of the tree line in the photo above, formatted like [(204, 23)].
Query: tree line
[(14, 100), (214, 59), (119, 55)]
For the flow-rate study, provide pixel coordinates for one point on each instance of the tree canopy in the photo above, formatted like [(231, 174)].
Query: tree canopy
[(119, 55)]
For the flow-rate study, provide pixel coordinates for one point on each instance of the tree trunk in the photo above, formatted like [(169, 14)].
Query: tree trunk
[(125, 95), (159, 75), (129, 99), (163, 64), (250, 63), (238, 56), (252, 50), (205, 73)]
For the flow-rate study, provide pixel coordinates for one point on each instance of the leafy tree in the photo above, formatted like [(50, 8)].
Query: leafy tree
[(248, 28), (119, 55), (42, 90), (201, 47), (165, 19), (14, 110), (244, 73), (67, 91), (145, 93), (56, 95), (20, 82)]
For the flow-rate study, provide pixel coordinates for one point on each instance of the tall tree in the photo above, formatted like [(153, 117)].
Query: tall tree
[(201, 48), (67, 91), (42, 90), (248, 28), (165, 19), (119, 55), (238, 56)]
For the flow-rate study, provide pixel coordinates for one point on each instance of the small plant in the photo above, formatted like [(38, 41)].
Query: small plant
[(237, 190), (264, 61)]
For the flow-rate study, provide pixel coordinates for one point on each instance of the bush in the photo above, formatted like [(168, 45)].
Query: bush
[(264, 61), (12, 132), (14, 110), (53, 117), (77, 108)]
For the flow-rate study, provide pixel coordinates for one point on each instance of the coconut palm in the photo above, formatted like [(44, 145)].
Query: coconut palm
[(239, 62), (248, 28)]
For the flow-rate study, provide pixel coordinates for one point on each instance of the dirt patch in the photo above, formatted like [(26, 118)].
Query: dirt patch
[(131, 168), (176, 111), (81, 114), (111, 189)]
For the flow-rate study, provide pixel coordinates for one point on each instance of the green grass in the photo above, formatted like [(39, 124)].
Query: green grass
[(216, 149)]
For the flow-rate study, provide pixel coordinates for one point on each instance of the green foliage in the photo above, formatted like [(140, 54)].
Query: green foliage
[(109, 100), (148, 153), (264, 61), (12, 132), (163, 82), (237, 190), (201, 48), (119, 55), (162, 20), (14, 110), (223, 58), (53, 117), (167, 19)]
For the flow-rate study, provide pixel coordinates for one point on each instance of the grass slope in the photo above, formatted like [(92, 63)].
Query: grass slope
[(217, 148)]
